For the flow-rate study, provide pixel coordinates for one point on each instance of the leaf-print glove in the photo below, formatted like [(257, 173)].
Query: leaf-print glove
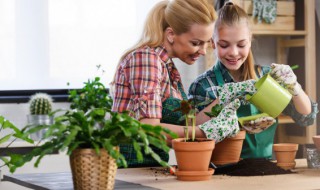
[(230, 91), (224, 125), (284, 75), (258, 125)]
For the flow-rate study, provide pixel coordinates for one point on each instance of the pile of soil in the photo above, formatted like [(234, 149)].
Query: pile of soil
[(251, 167)]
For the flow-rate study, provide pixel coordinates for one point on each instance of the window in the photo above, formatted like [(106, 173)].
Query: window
[(49, 43)]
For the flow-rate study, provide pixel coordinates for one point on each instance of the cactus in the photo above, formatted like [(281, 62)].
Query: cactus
[(40, 104)]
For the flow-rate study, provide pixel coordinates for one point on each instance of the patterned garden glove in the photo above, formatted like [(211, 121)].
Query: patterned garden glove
[(284, 75), (230, 91), (258, 125), (265, 9), (224, 125)]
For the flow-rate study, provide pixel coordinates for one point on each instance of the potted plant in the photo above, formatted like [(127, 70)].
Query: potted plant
[(192, 154), (91, 134), (229, 150), (40, 105)]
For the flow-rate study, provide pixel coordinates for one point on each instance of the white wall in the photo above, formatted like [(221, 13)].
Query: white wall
[(263, 51)]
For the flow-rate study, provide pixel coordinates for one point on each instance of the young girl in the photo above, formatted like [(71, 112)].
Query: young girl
[(232, 42)]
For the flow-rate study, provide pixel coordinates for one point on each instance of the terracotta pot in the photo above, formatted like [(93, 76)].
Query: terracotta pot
[(193, 156), (285, 154), (193, 159), (194, 175), (316, 140), (228, 150)]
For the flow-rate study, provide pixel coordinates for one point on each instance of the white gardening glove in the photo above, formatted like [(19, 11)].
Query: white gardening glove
[(230, 91), (224, 125), (284, 75), (258, 125)]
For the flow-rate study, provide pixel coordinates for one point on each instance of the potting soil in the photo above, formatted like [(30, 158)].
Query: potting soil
[(251, 167)]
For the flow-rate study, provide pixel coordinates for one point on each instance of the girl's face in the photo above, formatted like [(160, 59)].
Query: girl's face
[(189, 46), (232, 44)]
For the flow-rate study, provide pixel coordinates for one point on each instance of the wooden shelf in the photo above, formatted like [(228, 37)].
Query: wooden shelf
[(280, 33), (283, 119)]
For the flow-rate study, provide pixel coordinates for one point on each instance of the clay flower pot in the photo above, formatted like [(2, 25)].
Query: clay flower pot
[(316, 140), (193, 159), (229, 150), (285, 155)]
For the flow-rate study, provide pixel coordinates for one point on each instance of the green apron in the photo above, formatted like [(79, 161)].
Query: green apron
[(168, 116), (255, 145)]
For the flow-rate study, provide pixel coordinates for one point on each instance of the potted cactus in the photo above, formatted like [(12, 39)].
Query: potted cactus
[(40, 106)]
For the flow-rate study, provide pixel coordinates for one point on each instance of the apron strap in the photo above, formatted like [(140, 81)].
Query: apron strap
[(217, 72)]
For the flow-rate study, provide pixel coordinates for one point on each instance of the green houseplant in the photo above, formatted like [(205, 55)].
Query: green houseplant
[(90, 124)]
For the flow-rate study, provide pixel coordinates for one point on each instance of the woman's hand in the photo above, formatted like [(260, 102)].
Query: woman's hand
[(224, 125), (284, 75)]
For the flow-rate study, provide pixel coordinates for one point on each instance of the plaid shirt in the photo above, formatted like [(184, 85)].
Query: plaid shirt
[(146, 77), (202, 92)]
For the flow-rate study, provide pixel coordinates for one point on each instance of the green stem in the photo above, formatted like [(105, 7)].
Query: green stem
[(186, 131), (294, 67), (193, 128)]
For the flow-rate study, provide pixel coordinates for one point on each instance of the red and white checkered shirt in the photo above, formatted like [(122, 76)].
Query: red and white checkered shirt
[(142, 82)]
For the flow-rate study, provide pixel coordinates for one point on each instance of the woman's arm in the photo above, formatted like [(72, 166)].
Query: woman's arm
[(178, 129)]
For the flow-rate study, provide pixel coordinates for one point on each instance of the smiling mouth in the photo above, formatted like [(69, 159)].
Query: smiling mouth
[(233, 61), (194, 57)]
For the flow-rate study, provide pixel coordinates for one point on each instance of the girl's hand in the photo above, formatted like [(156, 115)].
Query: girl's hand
[(258, 125), (284, 75), (224, 125)]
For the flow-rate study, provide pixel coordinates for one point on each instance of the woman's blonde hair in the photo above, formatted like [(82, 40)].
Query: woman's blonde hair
[(177, 14), (230, 15)]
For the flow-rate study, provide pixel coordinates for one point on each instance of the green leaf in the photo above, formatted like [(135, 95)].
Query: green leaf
[(73, 133), (137, 148), (5, 138)]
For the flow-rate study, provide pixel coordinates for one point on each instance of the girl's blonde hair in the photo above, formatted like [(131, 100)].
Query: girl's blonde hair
[(177, 14), (230, 15)]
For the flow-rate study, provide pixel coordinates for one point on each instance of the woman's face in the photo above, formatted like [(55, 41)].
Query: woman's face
[(232, 44), (189, 46)]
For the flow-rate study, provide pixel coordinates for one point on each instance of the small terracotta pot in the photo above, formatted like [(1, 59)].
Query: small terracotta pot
[(193, 156), (285, 155), (194, 175), (316, 140), (193, 159), (228, 150)]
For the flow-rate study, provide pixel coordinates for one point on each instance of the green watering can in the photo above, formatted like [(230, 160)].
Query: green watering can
[(271, 98)]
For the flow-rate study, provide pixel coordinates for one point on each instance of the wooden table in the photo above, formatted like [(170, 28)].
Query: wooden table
[(147, 178), (304, 179)]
